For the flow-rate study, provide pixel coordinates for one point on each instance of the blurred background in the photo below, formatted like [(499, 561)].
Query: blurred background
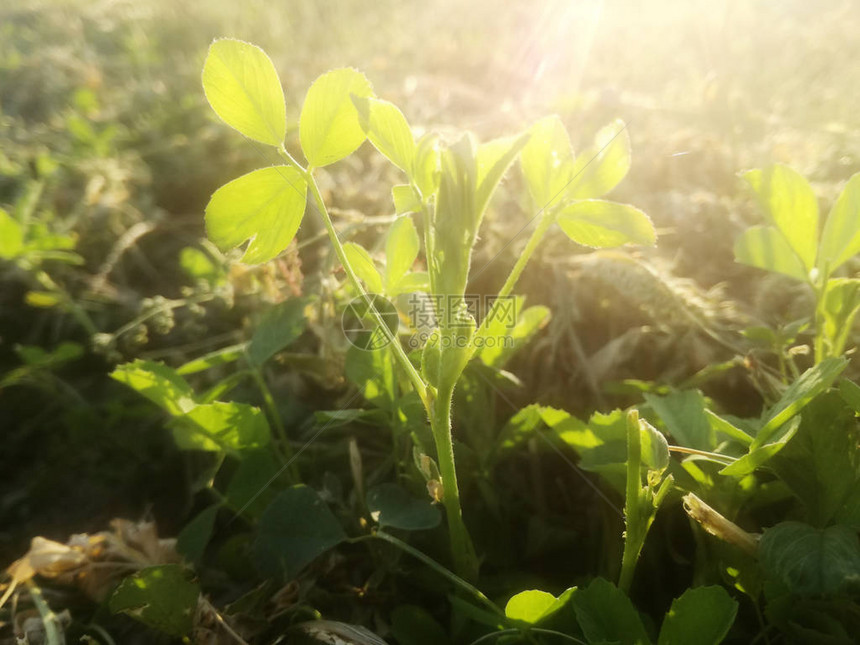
[(109, 153)]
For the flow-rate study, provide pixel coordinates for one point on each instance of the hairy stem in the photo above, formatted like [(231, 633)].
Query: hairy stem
[(633, 535), (462, 550), (399, 354)]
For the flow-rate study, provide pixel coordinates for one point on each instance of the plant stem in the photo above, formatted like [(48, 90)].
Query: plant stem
[(632, 535), (438, 568), (53, 629), (546, 220), (461, 545), (399, 354), (269, 400)]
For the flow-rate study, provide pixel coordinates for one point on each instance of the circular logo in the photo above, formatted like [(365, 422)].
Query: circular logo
[(361, 327)]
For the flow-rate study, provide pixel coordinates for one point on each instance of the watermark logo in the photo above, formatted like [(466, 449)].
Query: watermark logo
[(361, 326)]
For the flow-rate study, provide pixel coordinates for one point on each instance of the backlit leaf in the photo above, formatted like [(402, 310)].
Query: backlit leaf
[(533, 606), (840, 239), (602, 166), (265, 206), (364, 267), (242, 86), (387, 129), (492, 159), (221, 426), (158, 383), (764, 247), (547, 161), (11, 236), (329, 127), (401, 249), (792, 207), (601, 224)]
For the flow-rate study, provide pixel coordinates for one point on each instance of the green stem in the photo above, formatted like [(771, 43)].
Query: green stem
[(399, 354), (438, 568), (633, 537), (462, 550), (53, 629), (546, 220), (269, 400)]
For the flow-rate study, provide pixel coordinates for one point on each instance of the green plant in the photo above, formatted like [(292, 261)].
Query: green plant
[(791, 244), (449, 188)]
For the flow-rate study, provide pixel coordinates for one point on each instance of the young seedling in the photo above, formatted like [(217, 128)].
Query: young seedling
[(449, 187)]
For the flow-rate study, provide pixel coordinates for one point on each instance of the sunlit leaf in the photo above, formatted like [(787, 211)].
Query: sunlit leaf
[(11, 236), (791, 206), (411, 282), (701, 616), (198, 265), (601, 167), (158, 383), (840, 239), (425, 168), (533, 606), (764, 247), (387, 129), (811, 560), (601, 224), (759, 454), (214, 358), (242, 86), (221, 426), (265, 206), (811, 383), (164, 597), (295, 528), (655, 448), (509, 328), (401, 249), (492, 159), (547, 161), (405, 200), (364, 267), (839, 308), (329, 126)]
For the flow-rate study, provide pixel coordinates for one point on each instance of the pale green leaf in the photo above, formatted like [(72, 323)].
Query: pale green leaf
[(265, 206), (221, 426), (242, 86), (364, 267), (602, 166), (601, 224), (426, 167), (412, 282), (492, 159), (329, 127), (759, 454), (11, 236), (840, 239), (530, 606), (547, 161), (791, 205), (387, 129), (701, 616), (405, 200), (401, 249), (839, 307), (811, 383), (159, 383), (509, 328), (766, 248)]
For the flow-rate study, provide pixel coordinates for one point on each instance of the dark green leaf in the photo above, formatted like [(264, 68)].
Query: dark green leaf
[(606, 614), (413, 625), (701, 616), (280, 326), (392, 506), (295, 528), (163, 597), (810, 560), (192, 540)]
